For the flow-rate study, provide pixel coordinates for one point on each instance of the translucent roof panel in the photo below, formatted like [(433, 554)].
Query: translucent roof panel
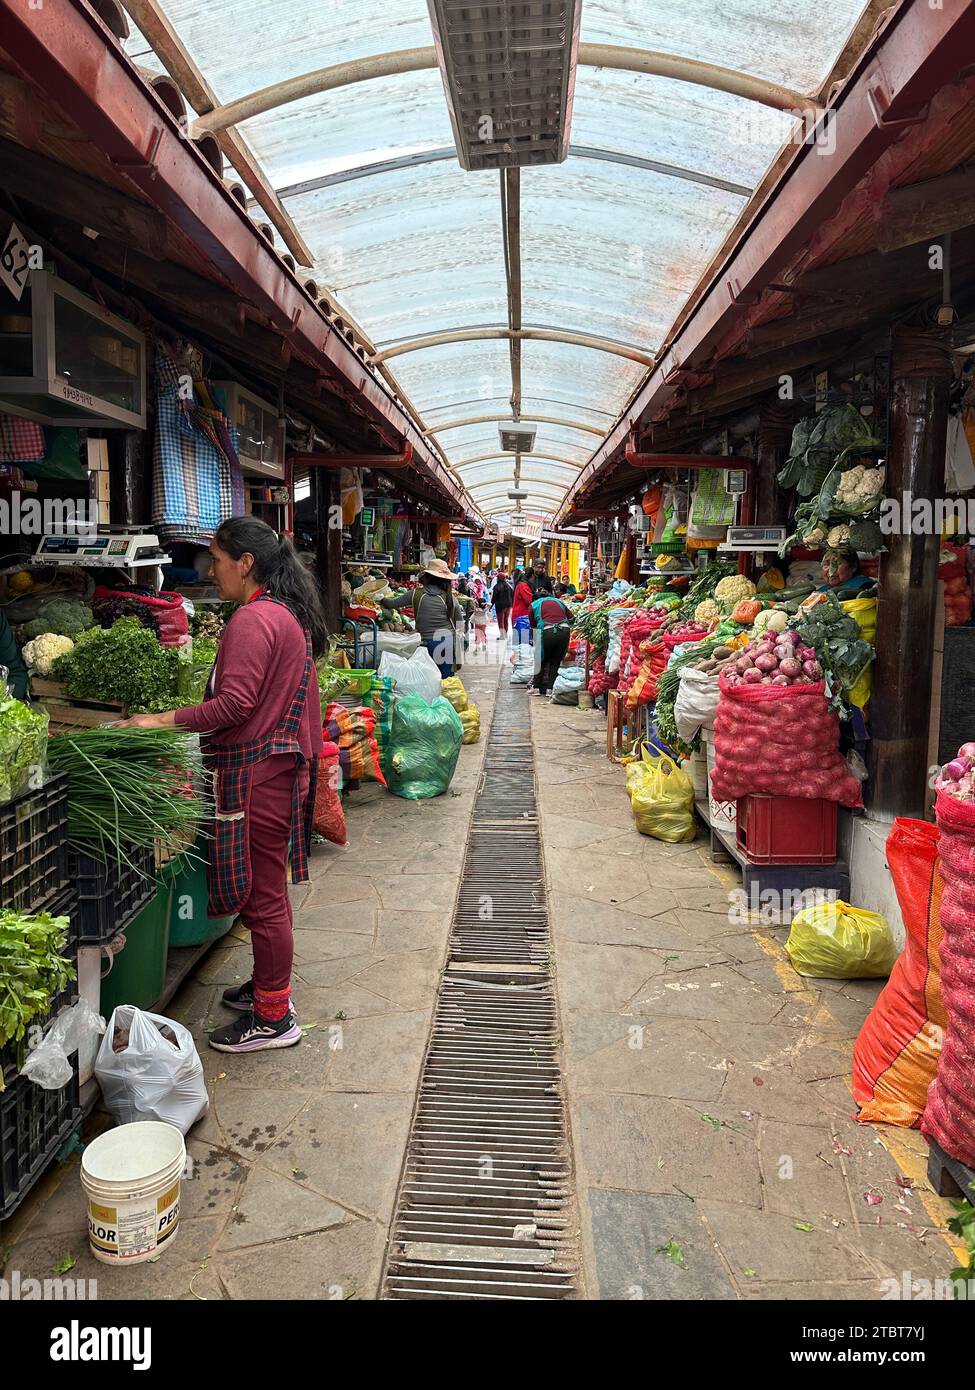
[(612, 243), (433, 225)]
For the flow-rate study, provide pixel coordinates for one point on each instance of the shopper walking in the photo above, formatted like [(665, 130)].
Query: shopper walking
[(553, 623), (436, 613), (261, 731), (501, 597), (521, 608), (480, 625)]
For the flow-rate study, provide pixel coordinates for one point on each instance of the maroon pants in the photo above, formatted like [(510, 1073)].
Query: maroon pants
[(267, 911), (504, 619)]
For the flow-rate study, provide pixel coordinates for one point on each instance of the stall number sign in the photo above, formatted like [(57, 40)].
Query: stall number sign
[(17, 259)]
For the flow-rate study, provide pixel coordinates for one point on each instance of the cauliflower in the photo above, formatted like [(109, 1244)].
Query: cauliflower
[(733, 588), (838, 537), (42, 653), (707, 611), (859, 486)]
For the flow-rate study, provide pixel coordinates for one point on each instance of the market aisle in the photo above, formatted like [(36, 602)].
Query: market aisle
[(707, 1082), (296, 1165)]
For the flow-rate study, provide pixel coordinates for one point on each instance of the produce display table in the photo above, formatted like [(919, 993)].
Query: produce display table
[(67, 714)]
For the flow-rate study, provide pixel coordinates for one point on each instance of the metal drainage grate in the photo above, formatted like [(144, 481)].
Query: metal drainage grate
[(485, 1208)]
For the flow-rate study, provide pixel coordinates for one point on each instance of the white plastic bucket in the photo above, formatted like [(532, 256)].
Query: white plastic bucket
[(131, 1176)]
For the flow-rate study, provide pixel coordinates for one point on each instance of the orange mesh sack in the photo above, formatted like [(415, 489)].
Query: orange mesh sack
[(895, 1057)]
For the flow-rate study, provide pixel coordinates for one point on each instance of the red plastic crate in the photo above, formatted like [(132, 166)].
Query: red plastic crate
[(787, 829)]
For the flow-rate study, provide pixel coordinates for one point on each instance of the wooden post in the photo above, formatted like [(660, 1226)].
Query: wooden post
[(328, 499), (901, 702), (774, 436), (127, 471)]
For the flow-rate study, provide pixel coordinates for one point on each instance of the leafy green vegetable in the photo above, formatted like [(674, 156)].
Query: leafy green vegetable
[(126, 663), (65, 616), (840, 649), (822, 441), (23, 747), (194, 670), (592, 623), (332, 680), (704, 584), (32, 969), (128, 787), (963, 1224)]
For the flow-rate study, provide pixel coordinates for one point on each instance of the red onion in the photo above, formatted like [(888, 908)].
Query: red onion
[(955, 770), (766, 663), (790, 667), (812, 669), (781, 680), (967, 750), (808, 654), (752, 676)]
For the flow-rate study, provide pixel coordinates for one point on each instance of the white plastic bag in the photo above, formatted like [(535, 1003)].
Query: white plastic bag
[(415, 674), (400, 643), (568, 683), (696, 702), (524, 668), (617, 617), (76, 1029), (150, 1079)]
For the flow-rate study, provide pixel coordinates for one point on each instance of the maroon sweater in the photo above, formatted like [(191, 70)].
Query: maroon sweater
[(259, 666)]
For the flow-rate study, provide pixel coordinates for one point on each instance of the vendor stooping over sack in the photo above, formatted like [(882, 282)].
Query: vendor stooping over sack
[(436, 612), (261, 733)]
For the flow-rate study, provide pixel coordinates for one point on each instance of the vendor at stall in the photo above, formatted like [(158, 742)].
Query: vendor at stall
[(11, 658), (261, 731), (436, 613), (841, 574)]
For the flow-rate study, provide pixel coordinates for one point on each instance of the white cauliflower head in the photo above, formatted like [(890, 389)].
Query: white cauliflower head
[(42, 653), (733, 588), (706, 611)]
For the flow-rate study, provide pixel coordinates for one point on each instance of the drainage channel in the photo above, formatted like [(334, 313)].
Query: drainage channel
[(485, 1208)]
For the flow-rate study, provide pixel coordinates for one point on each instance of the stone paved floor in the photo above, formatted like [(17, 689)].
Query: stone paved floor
[(707, 1083)]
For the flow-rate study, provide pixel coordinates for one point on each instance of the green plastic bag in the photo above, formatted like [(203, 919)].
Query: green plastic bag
[(381, 700), (662, 798), (834, 941), (425, 744)]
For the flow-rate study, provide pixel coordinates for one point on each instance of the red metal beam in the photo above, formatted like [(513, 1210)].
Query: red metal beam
[(65, 51), (637, 460), (921, 48)]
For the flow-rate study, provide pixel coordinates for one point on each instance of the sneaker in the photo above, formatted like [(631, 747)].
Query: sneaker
[(252, 1034), (240, 997)]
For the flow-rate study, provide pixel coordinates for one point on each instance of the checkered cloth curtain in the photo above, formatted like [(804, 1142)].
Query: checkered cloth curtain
[(21, 441), (197, 478)]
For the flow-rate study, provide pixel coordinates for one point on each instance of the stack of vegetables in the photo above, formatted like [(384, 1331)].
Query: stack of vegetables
[(129, 788), (600, 680), (32, 968), (124, 663), (635, 631), (826, 465), (953, 572)]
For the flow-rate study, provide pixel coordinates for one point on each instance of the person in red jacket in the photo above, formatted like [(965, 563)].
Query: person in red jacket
[(521, 608), (261, 733)]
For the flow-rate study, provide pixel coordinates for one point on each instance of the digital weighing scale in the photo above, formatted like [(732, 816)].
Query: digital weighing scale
[(102, 549)]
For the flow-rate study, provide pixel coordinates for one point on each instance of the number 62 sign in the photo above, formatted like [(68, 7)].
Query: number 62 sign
[(17, 258)]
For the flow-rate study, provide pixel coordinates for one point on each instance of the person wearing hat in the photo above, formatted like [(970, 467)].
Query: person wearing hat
[(436, 613)]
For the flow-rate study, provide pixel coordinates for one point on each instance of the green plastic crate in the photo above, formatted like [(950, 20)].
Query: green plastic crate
[(189, 924), (138, 972)]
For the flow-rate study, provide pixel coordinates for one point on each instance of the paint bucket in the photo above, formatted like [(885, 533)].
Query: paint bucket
[(131, 1176), (585, 699)]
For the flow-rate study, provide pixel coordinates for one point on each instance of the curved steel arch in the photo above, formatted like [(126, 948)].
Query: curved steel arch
[(599, 55), (507, 420), (500, 458), (546, 335)]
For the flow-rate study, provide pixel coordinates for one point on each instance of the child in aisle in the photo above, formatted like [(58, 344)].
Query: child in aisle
[(480, 625)]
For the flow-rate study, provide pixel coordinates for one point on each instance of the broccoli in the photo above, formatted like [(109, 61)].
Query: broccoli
[(64, 616)]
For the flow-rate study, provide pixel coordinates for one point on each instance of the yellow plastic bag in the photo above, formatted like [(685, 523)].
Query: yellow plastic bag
[(452, 689), (834, 941), (864, 610), (471, 720), (662, 798)]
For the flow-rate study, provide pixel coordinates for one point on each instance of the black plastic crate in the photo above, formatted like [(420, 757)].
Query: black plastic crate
[(14, 1054), (34, 846), (34, 1125), (110, 895)]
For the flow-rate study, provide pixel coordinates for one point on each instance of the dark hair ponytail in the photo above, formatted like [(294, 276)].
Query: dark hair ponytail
[(278, 570)]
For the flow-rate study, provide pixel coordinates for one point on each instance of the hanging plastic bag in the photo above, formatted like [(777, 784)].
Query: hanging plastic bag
[(150, 1076), (76, 1029), (834, 941), (426, 741), (696, 703), (662, 798), (895, 1056), (452, 689), (414, 675)]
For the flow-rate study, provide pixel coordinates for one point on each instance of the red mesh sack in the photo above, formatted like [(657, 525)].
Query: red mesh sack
[(895, 1057), (353, 731), (329, 818), (168, 614), (949, 1116), (779, 740)]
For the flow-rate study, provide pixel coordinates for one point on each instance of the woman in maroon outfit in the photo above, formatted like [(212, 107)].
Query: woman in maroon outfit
[(261, 732)]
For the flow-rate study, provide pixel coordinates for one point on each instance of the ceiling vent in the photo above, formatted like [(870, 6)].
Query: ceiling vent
[(517, 439), (508, 70)]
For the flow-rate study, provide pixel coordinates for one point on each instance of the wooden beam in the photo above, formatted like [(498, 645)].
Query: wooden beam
[(172, 53), (919, 211)]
